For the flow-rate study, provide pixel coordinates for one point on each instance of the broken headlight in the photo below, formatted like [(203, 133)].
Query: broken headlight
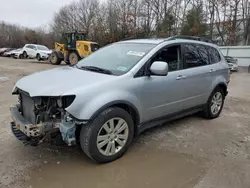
[(65, 101)]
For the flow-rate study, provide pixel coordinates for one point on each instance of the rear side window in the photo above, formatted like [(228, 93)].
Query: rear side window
[(203, 54), (214, 55), (195, 56), (33, 47)]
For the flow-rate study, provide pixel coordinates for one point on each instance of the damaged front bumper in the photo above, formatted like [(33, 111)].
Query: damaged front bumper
[(34, 135), (22, 129)]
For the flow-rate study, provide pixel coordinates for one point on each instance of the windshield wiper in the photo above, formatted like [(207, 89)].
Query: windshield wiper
[(96, 69)]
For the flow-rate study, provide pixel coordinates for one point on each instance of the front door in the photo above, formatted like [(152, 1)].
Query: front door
[(164, 95), (33, 51)]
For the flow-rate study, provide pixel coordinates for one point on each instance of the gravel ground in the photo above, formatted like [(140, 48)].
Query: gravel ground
[(191, 152)]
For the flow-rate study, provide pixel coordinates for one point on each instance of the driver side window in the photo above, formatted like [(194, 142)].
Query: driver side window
[(170, 55), (33, 48)]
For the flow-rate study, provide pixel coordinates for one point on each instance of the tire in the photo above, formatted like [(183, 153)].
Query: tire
[(38, 57), (55, 59), (90, 132), (213, 110), (21, 56), (25, 55), (73, 58)]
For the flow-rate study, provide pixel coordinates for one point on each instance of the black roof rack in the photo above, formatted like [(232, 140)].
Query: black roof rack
[(190, 38)]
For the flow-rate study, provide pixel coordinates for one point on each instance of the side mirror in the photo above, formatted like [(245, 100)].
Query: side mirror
[(159, 68)]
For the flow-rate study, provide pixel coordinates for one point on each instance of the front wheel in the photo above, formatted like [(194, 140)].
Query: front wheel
[(108, 136), (215, 104), (25, 55)]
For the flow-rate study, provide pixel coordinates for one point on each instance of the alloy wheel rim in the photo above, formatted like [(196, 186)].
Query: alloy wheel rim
[(216, 103), (112, 136)]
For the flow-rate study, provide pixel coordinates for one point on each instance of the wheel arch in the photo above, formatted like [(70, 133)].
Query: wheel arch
[(223, 86), (125, 105)]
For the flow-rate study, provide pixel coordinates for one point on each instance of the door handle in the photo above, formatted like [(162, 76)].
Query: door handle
[(180, 77)]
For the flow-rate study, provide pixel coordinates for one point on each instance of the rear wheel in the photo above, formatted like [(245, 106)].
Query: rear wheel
[(20, 56), (73, 58), (108, 136), (55, 59), (215, 104)]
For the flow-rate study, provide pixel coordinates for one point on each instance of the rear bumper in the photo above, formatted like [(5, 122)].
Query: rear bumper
[(16, 55)]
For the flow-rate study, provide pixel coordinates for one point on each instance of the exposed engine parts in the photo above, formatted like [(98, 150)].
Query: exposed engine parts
[(47, 115)]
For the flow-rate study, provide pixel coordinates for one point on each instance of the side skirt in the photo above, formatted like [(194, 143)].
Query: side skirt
[(159, 121)]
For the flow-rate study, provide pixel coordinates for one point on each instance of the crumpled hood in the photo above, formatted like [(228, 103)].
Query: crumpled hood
[(56, 82)]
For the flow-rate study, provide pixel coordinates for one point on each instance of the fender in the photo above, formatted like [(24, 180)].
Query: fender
[(113, 103), (88, 110), (221, 84), (219, 81)]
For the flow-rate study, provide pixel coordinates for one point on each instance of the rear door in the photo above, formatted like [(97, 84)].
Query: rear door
[(197, 74), (215, 59)]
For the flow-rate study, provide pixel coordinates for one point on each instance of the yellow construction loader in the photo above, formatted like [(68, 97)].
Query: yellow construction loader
[(74, 48)]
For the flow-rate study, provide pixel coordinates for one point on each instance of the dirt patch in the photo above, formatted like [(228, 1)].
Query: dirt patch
[(139, 168)]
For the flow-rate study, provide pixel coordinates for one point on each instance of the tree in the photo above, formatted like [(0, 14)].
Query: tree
[(165, 27), (195, 22), (225, 21)]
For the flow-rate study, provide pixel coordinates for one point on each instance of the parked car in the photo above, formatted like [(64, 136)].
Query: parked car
[(232, 63), (119, 91), (39, 52), (4, 50), (18, 53), (8, 53)]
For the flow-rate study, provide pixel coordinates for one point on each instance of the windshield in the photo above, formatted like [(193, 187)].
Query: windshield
[(118, 58), (42, 48)]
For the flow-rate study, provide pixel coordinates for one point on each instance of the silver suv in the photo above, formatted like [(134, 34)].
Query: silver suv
[(119, 91)]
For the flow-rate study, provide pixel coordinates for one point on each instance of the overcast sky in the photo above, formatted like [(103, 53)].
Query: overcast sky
[(30, 13)]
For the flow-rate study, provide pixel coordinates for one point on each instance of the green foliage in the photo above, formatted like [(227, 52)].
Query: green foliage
[(165, 28), (195, 22)]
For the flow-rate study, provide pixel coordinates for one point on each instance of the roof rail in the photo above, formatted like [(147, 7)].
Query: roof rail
[(190, 38)]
